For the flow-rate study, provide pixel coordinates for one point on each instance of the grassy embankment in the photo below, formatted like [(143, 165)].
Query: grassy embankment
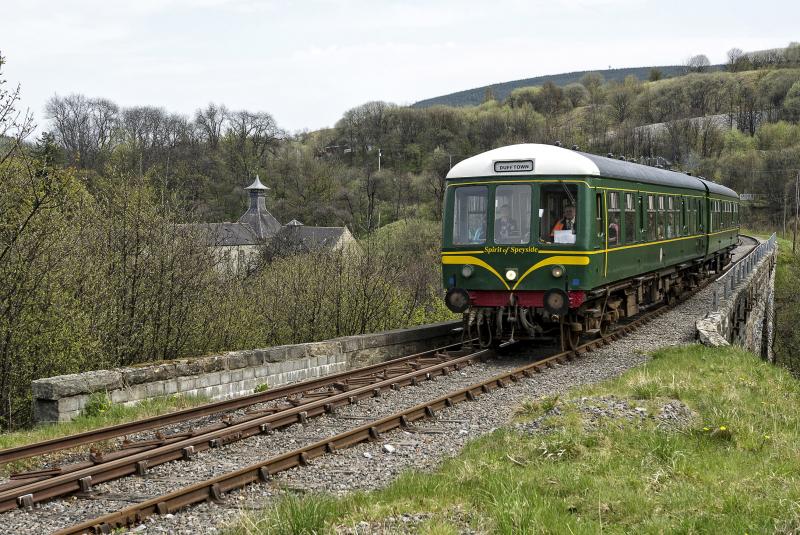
[(732, 468), (787, 306), (98, 413)]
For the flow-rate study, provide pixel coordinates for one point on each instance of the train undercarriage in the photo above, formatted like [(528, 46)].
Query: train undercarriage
[(562, 317)]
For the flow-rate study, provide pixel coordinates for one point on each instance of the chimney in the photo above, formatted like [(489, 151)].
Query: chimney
[(258, 193), (257, 216)]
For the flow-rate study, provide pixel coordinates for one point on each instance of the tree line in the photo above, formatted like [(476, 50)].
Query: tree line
[(101, 267), (98, 267)]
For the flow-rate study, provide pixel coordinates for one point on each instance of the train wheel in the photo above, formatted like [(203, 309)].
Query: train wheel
[(570, 340), (605, 328)]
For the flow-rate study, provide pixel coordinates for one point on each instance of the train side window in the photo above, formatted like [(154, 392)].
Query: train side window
[(613, 218), (469, 215), (651, 218), (682, 228), (630, 219), (558, 213), (670, 213), (699, 216), (711, 209), (512, 214), (598, 215)]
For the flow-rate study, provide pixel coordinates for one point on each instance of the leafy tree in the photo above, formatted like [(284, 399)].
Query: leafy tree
[(791, 104), (655, 75)]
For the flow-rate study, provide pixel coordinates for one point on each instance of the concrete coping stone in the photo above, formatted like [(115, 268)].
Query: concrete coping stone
[(54, 388)]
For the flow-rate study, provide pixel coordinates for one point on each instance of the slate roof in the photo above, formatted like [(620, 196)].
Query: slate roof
[(258, 226), (229, 234), (308, 238)]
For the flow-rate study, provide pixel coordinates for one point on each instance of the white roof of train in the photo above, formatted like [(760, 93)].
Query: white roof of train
[(532, 159)]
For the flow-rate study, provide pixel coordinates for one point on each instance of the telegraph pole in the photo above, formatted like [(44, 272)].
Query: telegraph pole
[(379, 160)]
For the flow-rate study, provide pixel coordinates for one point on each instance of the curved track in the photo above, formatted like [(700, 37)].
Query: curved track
[(215, 488)]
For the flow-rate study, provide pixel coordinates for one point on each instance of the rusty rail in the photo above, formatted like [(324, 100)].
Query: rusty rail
[(105, 433), (214, 489), (82, 479)]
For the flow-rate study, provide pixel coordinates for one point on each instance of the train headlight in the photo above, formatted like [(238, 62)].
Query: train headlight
[(557, 271), (457, 300), (511, 274), (467, 271)]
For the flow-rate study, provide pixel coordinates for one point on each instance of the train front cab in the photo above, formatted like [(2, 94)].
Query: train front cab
[(523, 238)]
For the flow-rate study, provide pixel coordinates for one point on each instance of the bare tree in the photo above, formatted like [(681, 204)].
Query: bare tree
[(698, 63), (83, 127), (250, 136), (210, 121), (15, 125)]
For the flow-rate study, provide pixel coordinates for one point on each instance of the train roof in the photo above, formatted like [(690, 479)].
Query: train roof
[(531, 159)]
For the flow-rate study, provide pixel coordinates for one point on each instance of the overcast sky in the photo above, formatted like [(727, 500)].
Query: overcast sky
[(306, 62)]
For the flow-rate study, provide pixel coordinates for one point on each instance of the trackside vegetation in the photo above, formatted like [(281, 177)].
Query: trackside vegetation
[(99, 412), (787, 307), (731, 466)]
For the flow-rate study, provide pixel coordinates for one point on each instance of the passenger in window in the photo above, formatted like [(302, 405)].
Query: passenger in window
[(505, 226), (477, 230), (613, 232), (567, 222)]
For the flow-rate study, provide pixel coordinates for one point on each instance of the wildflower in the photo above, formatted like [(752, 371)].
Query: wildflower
[(706, 429), (723, 428), (766, 437)]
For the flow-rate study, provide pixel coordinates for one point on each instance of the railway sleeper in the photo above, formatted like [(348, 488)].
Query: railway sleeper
[(222, 441), (189, 451)]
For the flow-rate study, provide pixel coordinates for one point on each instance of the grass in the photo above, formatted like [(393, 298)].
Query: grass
[(100, 412), (734, 469), (787, 307)]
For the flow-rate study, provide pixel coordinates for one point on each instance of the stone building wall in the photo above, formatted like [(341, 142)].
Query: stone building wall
[(59, 399)]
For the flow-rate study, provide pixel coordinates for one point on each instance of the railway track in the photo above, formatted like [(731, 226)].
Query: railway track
[(155, 422), (215, 488), (319, 397)]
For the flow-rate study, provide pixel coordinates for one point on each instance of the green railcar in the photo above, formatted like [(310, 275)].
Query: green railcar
[(538, 239)]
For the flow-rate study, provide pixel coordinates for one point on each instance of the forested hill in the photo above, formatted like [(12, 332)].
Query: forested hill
[(473, 97)]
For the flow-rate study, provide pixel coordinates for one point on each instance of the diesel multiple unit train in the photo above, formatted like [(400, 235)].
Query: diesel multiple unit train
[(545, 243)]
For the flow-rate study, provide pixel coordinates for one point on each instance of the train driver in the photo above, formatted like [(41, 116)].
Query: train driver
[(567, 222)]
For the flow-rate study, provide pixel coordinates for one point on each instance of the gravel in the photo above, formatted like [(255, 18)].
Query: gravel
[(671, 414), (372, 465)]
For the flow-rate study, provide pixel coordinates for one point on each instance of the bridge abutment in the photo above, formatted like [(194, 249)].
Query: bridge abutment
[(744, 304)]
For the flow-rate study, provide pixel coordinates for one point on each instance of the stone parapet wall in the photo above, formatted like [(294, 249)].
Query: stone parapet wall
[(745, 316), (236, 373)]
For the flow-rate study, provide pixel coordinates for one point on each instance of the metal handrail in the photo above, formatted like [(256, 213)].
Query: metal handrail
[(741, 270)]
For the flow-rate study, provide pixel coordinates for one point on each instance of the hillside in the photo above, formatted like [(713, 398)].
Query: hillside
[(473, 97)]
